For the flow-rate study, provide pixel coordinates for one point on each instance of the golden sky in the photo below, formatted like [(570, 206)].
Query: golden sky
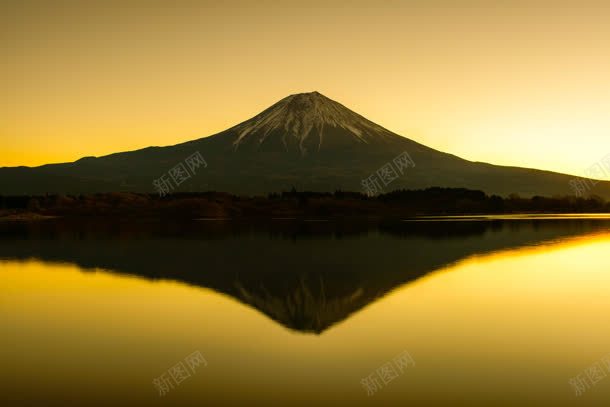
[(509, 82)]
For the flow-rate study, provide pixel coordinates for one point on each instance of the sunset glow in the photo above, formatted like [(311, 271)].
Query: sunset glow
[(521, 84)]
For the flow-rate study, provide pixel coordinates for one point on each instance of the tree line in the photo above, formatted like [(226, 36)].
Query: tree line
[(429, 201)]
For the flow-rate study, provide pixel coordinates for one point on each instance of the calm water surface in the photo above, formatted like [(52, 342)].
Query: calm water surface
[(492, 311)]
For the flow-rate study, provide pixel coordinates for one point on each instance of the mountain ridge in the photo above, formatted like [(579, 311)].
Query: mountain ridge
[(304, 141)]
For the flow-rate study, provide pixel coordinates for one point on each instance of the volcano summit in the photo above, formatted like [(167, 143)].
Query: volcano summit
[(301, 121)]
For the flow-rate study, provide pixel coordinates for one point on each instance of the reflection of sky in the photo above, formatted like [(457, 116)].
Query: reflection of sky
[(514, 324)]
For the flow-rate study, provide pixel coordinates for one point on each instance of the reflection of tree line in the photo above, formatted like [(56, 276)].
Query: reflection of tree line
[(294, 203), (307, 276), (293, 229)]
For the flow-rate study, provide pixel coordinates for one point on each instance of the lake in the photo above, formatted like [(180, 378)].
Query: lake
[(489, 310)]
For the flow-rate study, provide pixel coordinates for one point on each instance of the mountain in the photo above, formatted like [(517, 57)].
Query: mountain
[(306, 141)]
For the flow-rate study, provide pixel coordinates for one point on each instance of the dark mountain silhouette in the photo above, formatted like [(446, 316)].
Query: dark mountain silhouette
[(306, 141), (305, 276)]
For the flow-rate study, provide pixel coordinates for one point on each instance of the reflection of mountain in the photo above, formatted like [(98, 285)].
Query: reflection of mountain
[(306, 276)]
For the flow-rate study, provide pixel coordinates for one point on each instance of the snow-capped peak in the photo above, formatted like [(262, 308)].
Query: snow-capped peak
[(303, 115)]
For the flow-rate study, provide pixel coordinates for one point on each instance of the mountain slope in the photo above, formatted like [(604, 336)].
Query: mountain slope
[(306, 141)]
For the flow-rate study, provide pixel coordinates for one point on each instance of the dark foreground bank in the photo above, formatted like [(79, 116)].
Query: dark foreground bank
[(403, 203)]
